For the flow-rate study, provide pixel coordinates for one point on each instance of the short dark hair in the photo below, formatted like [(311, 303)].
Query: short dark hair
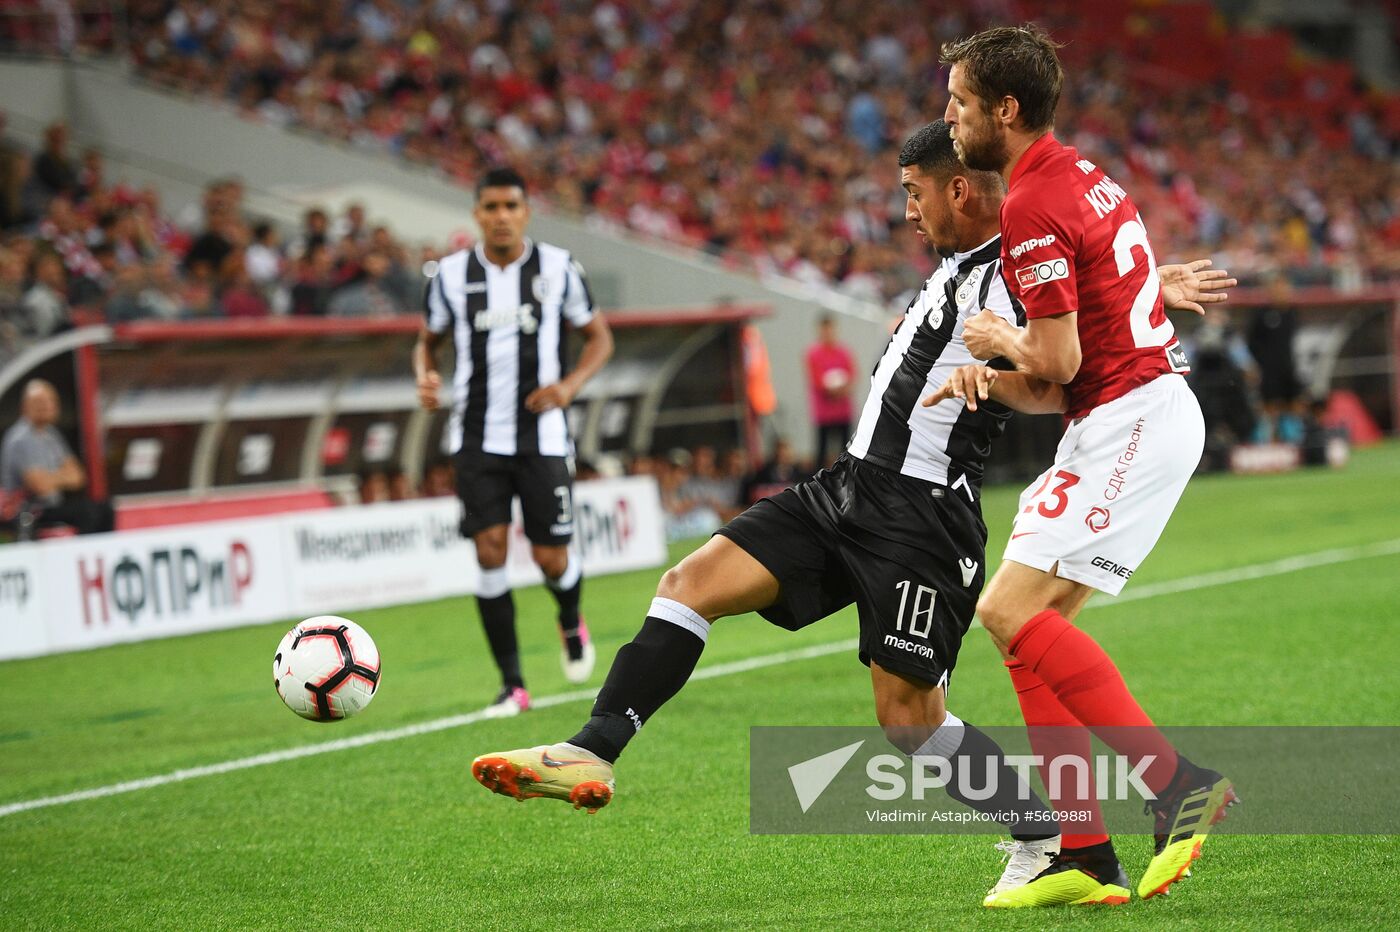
[(931, 150), (501, 177), (1012, 61)]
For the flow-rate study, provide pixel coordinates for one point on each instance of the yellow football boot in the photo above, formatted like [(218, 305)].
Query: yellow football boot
[(1184, 819), (552, 771), (1074, 878)]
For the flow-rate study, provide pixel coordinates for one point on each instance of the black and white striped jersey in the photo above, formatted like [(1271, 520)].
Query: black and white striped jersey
[(946, 443), (508, 325)]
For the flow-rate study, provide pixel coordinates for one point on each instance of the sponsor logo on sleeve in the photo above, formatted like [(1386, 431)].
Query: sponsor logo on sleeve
[(1035, 242), (1040, 273)]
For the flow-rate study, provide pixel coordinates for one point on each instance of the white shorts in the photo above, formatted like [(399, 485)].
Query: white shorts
[(1096, 514)]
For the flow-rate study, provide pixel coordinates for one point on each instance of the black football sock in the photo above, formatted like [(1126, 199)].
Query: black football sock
[(647, 671), (567, 591), (497, 608), (974, 760), (1101, 855)]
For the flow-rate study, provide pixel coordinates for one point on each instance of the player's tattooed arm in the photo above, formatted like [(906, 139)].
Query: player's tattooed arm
[(425, 371), (1017, 390), (1191, 286)]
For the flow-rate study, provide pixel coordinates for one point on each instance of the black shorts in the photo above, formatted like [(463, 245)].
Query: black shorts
[(910, 554), (486, 483)]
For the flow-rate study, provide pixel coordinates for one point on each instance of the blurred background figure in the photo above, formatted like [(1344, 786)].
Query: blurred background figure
[(831, 370), (780, 471), (374, 486), (38, 467), (1220, 374), (439, 478), (400, 486), (1273, 329)]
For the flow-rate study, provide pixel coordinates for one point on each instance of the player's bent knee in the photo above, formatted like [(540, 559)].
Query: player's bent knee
[(992, 615), (685, 583), (675, 584)]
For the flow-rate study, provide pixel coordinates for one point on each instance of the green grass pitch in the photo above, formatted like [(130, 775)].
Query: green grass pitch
[(397, 835)]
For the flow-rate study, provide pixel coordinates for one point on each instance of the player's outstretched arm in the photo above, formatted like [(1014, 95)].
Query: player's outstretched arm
[(1191, 286), (1016, 390), (597, 350)]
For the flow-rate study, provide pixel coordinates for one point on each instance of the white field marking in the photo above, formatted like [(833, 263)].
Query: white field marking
[(1169, 587), (396, 734), (1237, 574)]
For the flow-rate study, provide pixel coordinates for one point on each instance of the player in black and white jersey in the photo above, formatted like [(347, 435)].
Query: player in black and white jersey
[(894, 526), (506, 303)]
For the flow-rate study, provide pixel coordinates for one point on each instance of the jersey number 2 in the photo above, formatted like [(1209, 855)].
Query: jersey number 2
[(1131, 234)]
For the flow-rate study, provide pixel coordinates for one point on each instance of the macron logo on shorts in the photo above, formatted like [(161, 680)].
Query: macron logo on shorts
[(1042, 272)]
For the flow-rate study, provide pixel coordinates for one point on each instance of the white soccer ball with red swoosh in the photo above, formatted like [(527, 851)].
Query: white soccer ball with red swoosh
[(326, 668)]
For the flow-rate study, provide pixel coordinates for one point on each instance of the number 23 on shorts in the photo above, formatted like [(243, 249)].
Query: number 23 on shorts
[(1053, 504)]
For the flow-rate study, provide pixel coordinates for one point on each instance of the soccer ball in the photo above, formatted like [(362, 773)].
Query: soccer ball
[(326, 668)]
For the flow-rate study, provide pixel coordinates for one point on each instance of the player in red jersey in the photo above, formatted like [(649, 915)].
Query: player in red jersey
[(1075, 252)]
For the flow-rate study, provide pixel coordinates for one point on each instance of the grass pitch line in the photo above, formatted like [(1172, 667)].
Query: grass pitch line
[(1237, 574), (396, 734), (1169, 587)]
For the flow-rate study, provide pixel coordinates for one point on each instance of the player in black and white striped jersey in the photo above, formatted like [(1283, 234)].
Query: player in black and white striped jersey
[(882, 528), (895, 526), (943, 444), (506, 303)]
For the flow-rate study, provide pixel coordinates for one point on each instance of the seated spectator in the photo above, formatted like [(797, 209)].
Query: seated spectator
[(315, 231), (367, 295), (240, 297), (685, 516), (400, 488), (46, 302), (708, 489), (311, 295), (777, 474), (198, 294), (92, 175), (37, 464), (263, 256), (374, 486), (161, 298), (125, 303), (439, 479), (12, 313)]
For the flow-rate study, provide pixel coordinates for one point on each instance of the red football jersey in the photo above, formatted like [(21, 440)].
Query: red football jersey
[(1072, 240)]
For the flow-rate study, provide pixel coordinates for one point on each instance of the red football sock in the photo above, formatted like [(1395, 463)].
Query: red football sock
[(1055, 732), (1087, 683)]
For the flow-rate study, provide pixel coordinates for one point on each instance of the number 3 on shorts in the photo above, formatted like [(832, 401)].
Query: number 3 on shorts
[(1068, 480), (566, 505)]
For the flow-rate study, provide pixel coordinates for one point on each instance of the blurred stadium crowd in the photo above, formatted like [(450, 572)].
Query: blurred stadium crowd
[(763, 133), (72, 239)]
